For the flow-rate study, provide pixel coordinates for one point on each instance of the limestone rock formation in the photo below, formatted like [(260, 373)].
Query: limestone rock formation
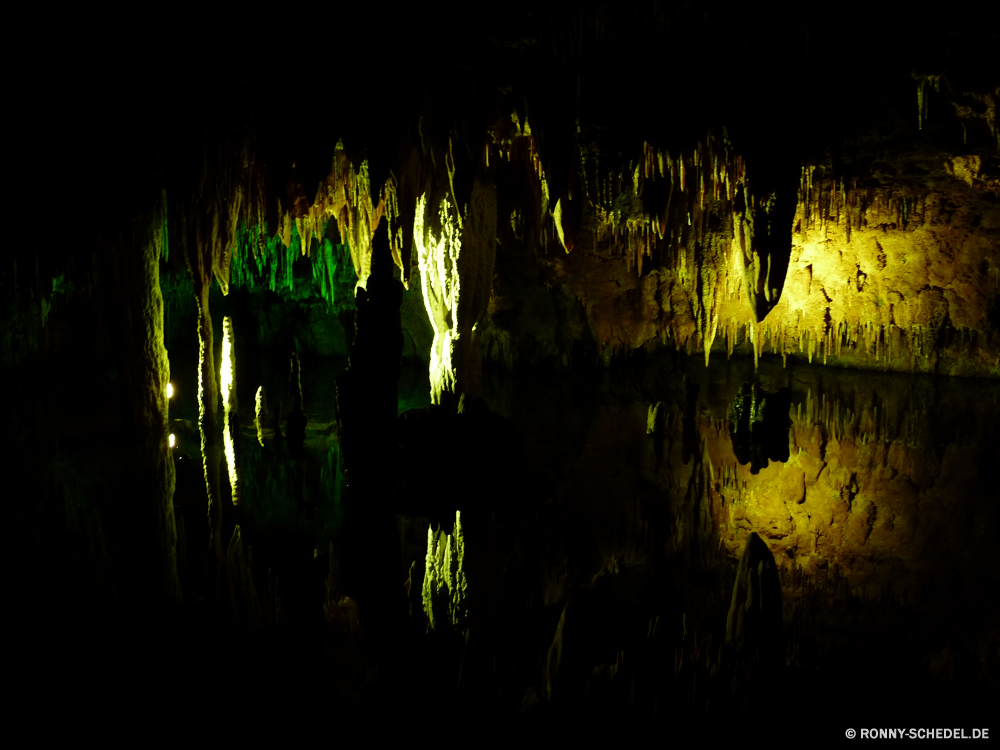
[(655, 418), (753, 625)]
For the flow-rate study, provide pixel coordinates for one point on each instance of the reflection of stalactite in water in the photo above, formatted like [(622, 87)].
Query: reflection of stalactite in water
[(689, 434), (230, 428), (246, 605), (295, 431), (758, 426), (444, 589)]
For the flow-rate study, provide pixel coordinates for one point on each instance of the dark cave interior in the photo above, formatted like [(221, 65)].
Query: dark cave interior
[(590, 370)]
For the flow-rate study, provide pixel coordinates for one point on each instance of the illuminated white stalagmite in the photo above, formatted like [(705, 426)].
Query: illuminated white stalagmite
[(455, 255), (228, 400), (438, 242)]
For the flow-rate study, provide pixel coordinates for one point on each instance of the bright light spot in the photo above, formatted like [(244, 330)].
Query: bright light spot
[(172, 440), (170, 390)]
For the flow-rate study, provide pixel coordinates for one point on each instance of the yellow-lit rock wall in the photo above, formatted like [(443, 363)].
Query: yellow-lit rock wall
[(886, 499), (901, 275)]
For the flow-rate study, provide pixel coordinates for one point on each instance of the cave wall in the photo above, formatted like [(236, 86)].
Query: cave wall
[(900, 276)]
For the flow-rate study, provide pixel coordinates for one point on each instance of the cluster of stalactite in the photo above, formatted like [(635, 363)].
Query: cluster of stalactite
[(678, 195), (826, 200), (231, 191), (688, 213), (691, 213), (345, 196), (262, 227), (688, 222), (970, 107), (526, 202)]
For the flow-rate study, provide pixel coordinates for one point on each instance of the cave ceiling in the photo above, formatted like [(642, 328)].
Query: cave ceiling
[(809, 183)]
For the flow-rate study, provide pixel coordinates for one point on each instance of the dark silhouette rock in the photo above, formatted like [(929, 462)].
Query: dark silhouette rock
[(753, 625), (689, 435)]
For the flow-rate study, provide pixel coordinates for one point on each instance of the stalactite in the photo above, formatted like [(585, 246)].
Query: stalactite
[(346, 197)]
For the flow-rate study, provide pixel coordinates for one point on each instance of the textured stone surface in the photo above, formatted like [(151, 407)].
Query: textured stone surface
[(897, 275), (753, 623)]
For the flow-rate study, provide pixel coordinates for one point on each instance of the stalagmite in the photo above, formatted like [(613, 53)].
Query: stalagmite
[(456, 262), (438, 244), (229, 404)]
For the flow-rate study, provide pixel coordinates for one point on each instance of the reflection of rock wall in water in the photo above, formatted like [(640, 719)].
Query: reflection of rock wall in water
[(754, 620), (883, 509)]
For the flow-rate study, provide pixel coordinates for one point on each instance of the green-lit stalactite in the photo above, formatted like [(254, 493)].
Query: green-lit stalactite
[(179, 304), (334, 274), (263, 262)]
